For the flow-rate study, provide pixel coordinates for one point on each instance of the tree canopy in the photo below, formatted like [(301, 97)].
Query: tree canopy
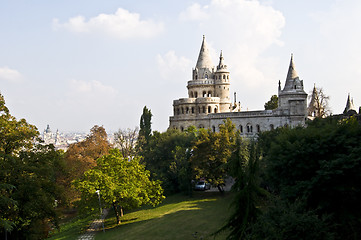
[(123, 183), (27, 175), (272, 103)]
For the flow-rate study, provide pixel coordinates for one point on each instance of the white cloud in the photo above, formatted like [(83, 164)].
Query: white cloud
[(9, 74), (91, 88), (194, 12), (122, 25), (171, 66)]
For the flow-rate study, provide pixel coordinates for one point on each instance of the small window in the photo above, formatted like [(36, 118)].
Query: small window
[(258, 128), (206, 76), (204, 94), (215, 110), (204, 109), (241, 128), (209, 109), (224, 76), (182, 128), (187, 110), (192, 109), (213, 128), (196, 94), (182, 111)]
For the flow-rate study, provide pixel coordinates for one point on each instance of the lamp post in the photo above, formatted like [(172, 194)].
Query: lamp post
[(100, 207)]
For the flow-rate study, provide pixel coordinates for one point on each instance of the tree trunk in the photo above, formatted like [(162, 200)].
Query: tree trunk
[(121, 211), (116, 212)]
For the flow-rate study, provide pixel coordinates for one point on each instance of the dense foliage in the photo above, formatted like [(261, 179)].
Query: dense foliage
[(28, 171), (272, 103), (123, 184), (322, 165)]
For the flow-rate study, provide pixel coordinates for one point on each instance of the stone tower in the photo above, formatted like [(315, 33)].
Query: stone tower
[(292, 100)]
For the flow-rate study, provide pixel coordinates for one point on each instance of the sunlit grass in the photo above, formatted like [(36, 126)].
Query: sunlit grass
[(179, 217)]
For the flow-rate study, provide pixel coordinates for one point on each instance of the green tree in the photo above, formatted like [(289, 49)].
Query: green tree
[(322, 164), (245, 168), (145, 129), (211, 153), (272, 103), (167, 158), (123, 184), (27, 175)]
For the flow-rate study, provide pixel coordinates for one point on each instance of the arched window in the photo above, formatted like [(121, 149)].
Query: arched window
[(192, 109), (215, 110), (213, 128), (178, 111), (196, 76), (249, 128), (204, 109), (204, 94), (196, 94), (224, 76), (258, 128), (187, 110), (191, 94), (182, 110), (201, 126), (209, 93), (206, 76), (199, 109), (209, 109), (272, 127), (241, 128)]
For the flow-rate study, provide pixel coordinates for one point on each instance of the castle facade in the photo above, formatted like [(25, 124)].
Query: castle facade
[(208, 103)]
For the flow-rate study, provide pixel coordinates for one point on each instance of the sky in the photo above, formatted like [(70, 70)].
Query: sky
[(76, 64)]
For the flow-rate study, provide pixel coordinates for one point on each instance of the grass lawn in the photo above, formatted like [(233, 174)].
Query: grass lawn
[(178, 217)]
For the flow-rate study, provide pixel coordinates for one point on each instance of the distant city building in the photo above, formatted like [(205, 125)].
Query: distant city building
[(209, 104)]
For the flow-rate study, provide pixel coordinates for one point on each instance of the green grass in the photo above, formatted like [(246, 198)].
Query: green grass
[(73, 226), (178, 217)]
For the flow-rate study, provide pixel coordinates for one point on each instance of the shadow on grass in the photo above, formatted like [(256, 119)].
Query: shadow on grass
[(178, 217)]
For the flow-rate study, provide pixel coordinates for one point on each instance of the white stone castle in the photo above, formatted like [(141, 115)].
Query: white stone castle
[(209, 104)]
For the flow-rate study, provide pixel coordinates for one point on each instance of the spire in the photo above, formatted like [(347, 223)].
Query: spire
[(313, 106), (349, 105), (293, 83), (204, 58), (292, 74)]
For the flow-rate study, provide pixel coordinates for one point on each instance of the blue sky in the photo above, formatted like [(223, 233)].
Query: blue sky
[(74, 64)]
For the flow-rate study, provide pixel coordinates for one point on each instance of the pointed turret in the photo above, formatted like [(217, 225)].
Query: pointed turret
[(292, 81), (204, 58), (350, 108), (221, 66), (292, 74), (313, 105)]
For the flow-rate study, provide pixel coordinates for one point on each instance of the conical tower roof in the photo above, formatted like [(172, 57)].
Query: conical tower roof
[(349, 105), (292, 81), (204, 58), (292, 74)]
